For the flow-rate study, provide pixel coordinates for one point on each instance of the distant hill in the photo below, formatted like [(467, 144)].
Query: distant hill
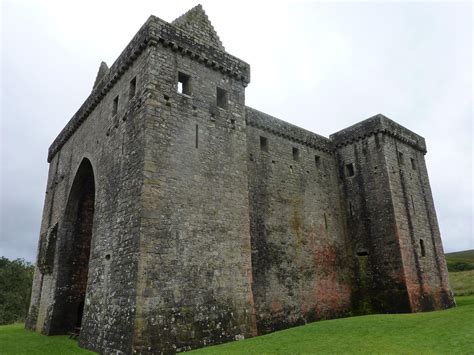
[(460, 260)]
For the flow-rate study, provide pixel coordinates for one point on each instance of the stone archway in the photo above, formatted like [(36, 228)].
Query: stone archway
[(74, 237)]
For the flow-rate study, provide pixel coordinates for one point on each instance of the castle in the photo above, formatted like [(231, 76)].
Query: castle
[(176, 217)]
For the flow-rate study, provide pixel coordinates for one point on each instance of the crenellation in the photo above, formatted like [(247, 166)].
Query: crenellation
[(176, 217)]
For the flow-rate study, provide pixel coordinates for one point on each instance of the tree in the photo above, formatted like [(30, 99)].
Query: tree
[(16, 277)]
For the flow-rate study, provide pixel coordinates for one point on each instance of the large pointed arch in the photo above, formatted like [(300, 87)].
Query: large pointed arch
[(74, 238)]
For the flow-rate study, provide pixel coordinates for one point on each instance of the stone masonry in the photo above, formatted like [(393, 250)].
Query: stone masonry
[(176, 217)]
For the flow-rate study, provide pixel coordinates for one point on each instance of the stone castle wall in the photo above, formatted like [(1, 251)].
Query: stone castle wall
[(213, 221), (114, 146), (300, 256), (195, 241)]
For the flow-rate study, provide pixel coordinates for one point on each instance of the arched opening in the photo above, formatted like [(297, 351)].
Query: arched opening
[(74, 238)]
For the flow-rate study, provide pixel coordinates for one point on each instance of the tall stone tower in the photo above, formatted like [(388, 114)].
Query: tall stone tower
[(177, 217)]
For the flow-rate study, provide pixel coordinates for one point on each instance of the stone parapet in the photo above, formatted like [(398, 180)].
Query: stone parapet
[(286, 130), (378, 124)]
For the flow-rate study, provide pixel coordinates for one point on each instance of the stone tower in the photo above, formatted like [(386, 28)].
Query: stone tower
[(176, 217)]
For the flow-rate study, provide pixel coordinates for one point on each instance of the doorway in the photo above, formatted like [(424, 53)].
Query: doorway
[(74, 237)]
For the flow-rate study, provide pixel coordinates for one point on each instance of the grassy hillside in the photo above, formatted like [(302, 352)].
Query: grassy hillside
[(15, 340), (442, 332), (462, 283), (460, 261)]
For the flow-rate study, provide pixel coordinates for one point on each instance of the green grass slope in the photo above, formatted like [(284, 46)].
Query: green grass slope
[(460, 261), (15, 340), (462, 283), (442, 332)]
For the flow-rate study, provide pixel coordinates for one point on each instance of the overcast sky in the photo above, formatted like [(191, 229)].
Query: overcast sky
[(322, 66)]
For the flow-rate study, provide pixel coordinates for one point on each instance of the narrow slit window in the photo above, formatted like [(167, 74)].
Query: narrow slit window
[(132, 88), (221, 97), (317, 161), (115, 106), (377, 141), (184, 84), (400, 158), (263, 144), (197, 136), (351, 209), (422, 247), (296, 154), (362, 253), (325, 222), (413, 163), (349, 170)]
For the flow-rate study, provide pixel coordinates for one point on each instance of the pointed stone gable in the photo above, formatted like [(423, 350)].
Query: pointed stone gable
[(103, 69), (196, 23)]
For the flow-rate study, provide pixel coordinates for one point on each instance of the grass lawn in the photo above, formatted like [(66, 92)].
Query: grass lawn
[(15, 340), (462, 283), (443, 332)]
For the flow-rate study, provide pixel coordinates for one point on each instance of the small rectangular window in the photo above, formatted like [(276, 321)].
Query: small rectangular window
[(325, 222), (400, 158), (115, 106), (413, 163), (349, 170), (184, 84), (296, 154), (351, 209), (422, 247), (317, 161), (263, 144), (221, 97), (132, 88), (197, 136)]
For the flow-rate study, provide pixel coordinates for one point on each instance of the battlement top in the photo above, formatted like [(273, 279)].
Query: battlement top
[(191, 34), (286, 130), (374, 125)]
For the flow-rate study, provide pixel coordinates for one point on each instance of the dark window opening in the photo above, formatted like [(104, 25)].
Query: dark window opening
[(296, 154), (351, 209), (132, 88), (377, 141), (362, 253), (221, 96), (107, 257), (184, 84), (197, 136), (349, 170), (400, 158), (263, 144), (422, 247), (413, 163), (325, 222), (317, 161), (115, 106)]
